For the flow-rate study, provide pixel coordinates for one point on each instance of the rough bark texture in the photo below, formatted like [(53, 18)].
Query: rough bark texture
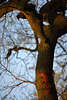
[(48, 36), (44, 73)]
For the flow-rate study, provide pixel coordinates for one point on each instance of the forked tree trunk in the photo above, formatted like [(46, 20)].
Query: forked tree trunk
[(44, 69), (44, 73)]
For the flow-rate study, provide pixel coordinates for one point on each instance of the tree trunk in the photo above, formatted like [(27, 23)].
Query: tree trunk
[(44, 73), (44, 69)]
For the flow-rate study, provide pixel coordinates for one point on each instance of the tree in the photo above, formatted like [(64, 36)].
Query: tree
[(54, 13)]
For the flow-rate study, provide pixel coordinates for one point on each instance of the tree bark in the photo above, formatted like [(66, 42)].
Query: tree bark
[(44, 69), (44, 73)]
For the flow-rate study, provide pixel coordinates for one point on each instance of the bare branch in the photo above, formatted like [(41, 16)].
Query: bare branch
[(56, 30), (7, 7), (25, 81), (15, 48), (62, 47), (61, 26), (50, 9), (12, 5)]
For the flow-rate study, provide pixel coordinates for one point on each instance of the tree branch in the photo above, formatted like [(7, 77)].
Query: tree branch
[(56, 30), (15, 48), (60, 25), (12, 5), (62, 47), (8, 7), (50, 9), (36, 19), (25, 81)]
